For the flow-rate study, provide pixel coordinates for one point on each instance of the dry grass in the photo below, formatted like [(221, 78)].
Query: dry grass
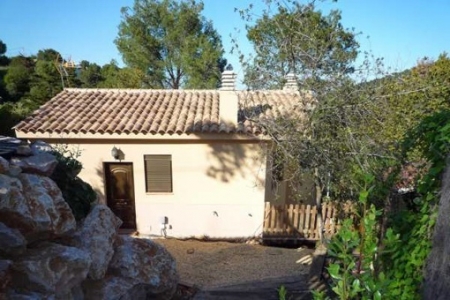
[(210, 264)]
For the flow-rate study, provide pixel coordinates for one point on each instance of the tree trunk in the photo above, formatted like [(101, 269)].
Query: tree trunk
[(437, 275), (319, 205)]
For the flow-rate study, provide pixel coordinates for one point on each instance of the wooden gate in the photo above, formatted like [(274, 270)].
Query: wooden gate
[(299, 221)]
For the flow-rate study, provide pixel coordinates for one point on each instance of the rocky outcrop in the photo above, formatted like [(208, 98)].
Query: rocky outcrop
[(437, 271), (147, 264), (96, 235), (45, 254), (42, 163), (139, 269), (40, 147), (12, 241), (50, 269), (4, 166), (34, 205), (5, 276), (108, 288)]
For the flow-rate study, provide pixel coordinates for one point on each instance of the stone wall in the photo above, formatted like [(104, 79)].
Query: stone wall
[(46, 254)]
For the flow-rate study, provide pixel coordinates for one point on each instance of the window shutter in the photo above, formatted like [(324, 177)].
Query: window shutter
[(158, 173)]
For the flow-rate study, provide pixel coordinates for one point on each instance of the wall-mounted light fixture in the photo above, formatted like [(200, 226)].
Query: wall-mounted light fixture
[(115, 152)]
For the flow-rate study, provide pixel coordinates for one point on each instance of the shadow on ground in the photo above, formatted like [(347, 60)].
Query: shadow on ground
[(297, 288)]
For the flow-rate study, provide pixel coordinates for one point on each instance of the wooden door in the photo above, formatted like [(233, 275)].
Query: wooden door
[(120, 192)]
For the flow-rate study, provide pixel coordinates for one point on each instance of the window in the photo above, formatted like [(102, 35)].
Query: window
[(158, 173)]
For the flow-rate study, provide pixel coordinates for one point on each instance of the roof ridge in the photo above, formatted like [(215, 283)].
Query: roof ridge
[(136, 90)]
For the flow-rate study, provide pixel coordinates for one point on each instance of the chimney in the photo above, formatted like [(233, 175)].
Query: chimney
[(228, 79), (228, 102), (291, 83)]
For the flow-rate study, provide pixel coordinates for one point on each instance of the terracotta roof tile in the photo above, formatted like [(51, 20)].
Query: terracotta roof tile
[(109, 111)]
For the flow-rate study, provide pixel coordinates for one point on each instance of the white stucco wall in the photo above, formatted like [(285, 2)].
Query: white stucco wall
[(218, 186)]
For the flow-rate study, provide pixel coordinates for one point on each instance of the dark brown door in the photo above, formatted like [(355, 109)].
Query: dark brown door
[(120, 192)]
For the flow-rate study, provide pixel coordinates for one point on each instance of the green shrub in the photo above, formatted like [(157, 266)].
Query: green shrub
[(394, 267), (77, 193)]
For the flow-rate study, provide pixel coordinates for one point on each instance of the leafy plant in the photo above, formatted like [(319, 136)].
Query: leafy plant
[(77, 193), (429, 140), (394, 268), (282, 292), (354, 272)]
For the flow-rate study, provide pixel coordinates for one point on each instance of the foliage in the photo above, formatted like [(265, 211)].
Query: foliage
[(330, 141), (27, 82), (394, 268), (12, 113), (429, 140), (36, 78), (356, 272), (2, 48), (4, 60), (171, 43), (89, 74), (298, 38), (114, 77), (282, 293), (77, 193), (19, 76), (409, 97)]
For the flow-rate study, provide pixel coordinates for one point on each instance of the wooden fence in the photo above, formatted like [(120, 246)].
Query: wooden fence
[(299, 221)]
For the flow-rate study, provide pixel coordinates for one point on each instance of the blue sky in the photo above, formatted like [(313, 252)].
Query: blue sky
[(400, 31)]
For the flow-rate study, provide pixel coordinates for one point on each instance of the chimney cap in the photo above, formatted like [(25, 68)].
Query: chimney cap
[(228, 79), (291, 82)]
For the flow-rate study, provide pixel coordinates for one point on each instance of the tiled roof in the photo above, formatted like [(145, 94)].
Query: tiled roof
[(108, 111)]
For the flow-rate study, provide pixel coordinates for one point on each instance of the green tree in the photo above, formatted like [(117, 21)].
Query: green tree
[(171, 43), (4, 60), (404, 99), (298, 38), (117, 78), (47, 82), (328, 143), (19, 76), (90, 74)]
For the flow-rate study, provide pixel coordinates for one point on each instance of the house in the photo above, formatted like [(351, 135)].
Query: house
[(179, 163)]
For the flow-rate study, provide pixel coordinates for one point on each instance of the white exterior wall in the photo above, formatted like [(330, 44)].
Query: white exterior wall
[(218, 187)]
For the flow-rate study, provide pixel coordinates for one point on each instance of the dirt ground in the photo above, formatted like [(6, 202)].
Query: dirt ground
[(212, 264)]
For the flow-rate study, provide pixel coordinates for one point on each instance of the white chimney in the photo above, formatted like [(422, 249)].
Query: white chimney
[(228, 79), (291, 83)]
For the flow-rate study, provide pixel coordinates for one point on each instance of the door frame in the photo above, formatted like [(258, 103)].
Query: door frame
[(107, 185)]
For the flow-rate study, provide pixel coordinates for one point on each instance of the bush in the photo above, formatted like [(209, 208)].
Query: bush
[(77, 193)]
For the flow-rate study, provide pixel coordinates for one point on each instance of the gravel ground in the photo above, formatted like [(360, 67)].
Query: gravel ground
[(212, 264)]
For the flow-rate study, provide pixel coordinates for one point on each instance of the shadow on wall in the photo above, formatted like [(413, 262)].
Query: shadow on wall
[(100, 193), (227, 161)]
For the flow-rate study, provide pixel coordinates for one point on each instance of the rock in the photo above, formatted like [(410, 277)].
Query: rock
[(96, 236), (12, 295), (50, 269), (145, 262), (8, 146), (109, 288), (34, 205), (24, 150), (12, 241), (5, 188), (42, 163), (14, 171), (40, 147), (5, 275), (76, 293), (4, 166)]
